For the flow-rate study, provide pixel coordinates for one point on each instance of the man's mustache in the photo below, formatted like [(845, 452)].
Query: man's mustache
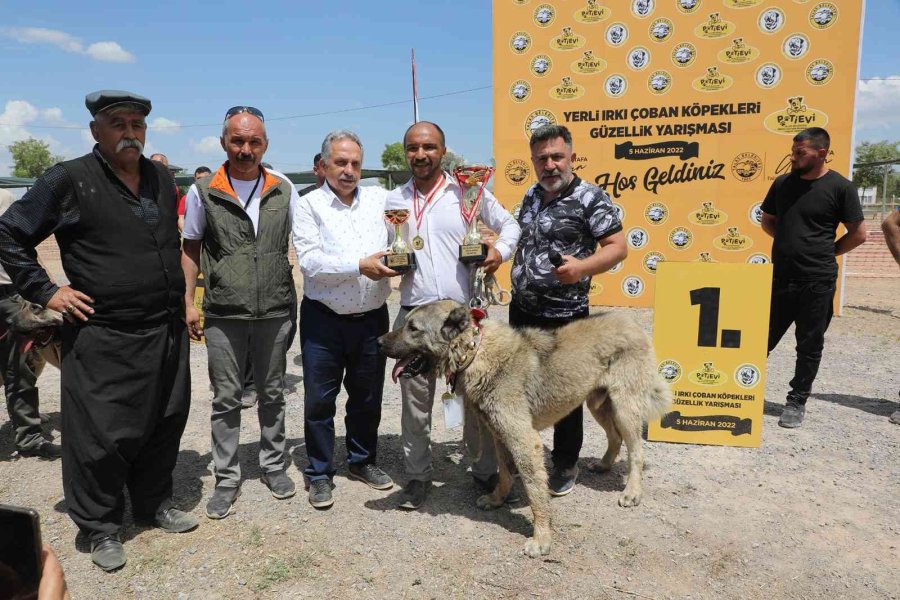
[(129, 143), (245, 157)]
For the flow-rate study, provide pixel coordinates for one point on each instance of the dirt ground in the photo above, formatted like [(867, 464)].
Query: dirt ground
[(813, 513)]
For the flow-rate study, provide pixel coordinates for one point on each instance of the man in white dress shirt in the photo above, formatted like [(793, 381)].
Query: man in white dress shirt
[(340, 237), (436, 229), (239, 220)]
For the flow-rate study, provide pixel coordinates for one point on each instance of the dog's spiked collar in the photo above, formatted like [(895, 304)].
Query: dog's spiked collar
[(464, 347)]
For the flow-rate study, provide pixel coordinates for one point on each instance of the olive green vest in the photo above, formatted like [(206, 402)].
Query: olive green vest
[(248, 275)]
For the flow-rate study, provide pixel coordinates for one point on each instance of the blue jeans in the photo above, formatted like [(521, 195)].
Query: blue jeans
[(338, 348), (809, 305)]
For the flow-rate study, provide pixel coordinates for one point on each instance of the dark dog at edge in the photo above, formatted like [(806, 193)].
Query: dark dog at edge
[(36, 330)]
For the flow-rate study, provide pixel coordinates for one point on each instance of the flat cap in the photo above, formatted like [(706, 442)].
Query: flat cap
[(105, 99)]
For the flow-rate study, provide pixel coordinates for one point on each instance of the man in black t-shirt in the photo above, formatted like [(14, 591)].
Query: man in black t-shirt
[(802, 212)]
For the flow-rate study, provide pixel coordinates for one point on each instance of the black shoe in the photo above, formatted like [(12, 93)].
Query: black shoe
[(320, 493), (221, 502), (562, 481), (279, 484), (792, 415), (372, 476), (487, 486), (172, 520), (107, 552), (413, 495), (44, 449)]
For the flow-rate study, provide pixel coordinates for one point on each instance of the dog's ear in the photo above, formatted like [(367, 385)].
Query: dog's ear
[(456, 322)]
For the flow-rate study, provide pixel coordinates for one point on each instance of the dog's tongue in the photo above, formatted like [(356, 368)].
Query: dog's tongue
[(398, 368), (27, 344)]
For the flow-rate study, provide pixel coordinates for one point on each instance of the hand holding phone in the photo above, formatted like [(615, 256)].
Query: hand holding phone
[(20, 552), (555, 258)]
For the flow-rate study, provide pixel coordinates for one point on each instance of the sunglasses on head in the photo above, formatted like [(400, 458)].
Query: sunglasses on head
[(236, 110)]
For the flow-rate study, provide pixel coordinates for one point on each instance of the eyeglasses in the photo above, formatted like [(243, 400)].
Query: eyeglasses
[(236, 110)]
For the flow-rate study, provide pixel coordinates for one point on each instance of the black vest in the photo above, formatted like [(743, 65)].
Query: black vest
[(132, 272)]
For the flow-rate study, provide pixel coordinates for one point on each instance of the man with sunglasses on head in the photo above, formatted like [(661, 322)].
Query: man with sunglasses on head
[(125, 373), (236, 231)]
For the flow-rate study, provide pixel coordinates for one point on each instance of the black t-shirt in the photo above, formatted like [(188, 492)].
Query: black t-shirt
[(807, 214)]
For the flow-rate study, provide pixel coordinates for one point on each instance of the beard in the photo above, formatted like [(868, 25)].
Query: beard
[(555, 185), (424, 170), (801, 170)]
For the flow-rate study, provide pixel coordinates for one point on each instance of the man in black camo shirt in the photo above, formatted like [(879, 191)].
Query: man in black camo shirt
[(561, 214)]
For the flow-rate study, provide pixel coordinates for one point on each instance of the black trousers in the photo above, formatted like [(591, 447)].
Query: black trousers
[(338, 348), (125, 401), (19, 380), (809, 305), (568, 434)]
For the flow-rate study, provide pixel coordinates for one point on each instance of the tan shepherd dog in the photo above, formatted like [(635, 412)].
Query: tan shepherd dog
[(522, 381)]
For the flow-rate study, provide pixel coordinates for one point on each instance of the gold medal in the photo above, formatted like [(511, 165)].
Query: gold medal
[(446, 397), (418, 242)]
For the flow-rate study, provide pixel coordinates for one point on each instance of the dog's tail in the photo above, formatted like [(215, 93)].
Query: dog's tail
[(659, 401)]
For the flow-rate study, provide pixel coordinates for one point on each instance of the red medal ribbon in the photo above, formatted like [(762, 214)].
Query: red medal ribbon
[(419, 211)]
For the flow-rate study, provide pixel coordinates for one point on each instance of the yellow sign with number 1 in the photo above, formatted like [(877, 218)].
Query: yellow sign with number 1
[(710, 330)]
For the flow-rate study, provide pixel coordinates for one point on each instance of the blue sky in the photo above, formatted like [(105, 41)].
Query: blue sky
[(294, 58)]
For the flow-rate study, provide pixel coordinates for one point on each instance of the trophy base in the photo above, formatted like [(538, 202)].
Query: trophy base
[(402, 262), (472, 253)]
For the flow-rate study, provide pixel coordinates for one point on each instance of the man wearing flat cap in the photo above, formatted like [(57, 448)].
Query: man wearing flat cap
[(125, 382)]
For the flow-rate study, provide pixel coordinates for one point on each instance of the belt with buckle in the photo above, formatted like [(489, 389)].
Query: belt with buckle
[(325, 308)]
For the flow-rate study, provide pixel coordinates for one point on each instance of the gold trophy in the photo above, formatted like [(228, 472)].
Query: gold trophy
[(400, 258), (472, 180)]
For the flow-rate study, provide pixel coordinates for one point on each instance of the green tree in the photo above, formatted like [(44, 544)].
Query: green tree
[(452, 160), (32, 157), (869, 152), (394, 157)]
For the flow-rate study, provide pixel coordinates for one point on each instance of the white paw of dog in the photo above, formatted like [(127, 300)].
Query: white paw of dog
[(534, 548), (486, 502), (629, 499)]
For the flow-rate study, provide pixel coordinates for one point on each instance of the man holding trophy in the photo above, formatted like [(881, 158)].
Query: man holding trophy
[(440, 230), (340, 236)]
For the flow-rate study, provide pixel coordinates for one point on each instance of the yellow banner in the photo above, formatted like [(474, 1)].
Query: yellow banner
[(683, 110), (710, 331)]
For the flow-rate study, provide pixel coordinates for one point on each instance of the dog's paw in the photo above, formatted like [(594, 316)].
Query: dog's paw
[(486, 502), (629, 499), (534, 548), (602, 466)]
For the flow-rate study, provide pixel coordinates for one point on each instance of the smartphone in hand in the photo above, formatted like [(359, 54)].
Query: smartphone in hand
[(20, 552)]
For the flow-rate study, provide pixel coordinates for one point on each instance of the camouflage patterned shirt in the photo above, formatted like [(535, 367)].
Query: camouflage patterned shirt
[(571, 224)]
